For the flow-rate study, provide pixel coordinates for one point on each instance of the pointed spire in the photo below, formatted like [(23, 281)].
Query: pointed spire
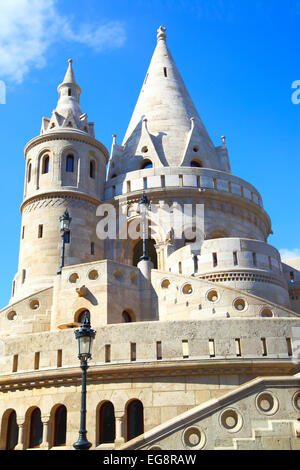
[(70, 76), (166, 103), (68, 112)]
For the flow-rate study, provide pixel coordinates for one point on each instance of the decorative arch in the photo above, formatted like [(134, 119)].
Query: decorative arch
[(42, 165), (138, 251), (78, 317), (126, 245), (106, 428), (92, 168), (35, 428), (134, 419), (9, 430), (70, 163), (128, 316), (147, 163), (59, 417), (29, 171), (45, 164), (196, 163), (69, 166)]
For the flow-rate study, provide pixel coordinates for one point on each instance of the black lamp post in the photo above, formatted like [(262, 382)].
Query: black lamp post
[(65, 221), (144, 205), (85, 336)]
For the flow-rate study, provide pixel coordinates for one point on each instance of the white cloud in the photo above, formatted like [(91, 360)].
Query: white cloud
[(29, 27), (286, 253)]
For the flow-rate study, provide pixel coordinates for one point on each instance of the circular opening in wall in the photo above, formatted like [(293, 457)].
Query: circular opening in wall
[(118, 275), (296, 400), (93, 275), (231, 420), (12, 315), (212, 296), (267, 403), (193, 438), (239, 304), (73, 278), (165, 284), (195, 148), (34, 304), (187, 289), (267, 313), (145, 149)]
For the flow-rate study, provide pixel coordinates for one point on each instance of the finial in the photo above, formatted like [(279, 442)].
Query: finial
[(223, 137), (161, 33), (114, 138), (70, 61)]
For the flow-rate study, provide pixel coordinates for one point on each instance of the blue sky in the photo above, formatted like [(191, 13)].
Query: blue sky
[(238, 60)]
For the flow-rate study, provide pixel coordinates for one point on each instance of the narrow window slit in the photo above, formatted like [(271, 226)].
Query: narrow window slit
[(211, 345), (107, 353), (133, 351), (264, 347), (158, 350), (238, 347), (185, 348)]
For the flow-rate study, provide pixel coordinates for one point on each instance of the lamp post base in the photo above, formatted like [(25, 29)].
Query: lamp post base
[(82, 444)]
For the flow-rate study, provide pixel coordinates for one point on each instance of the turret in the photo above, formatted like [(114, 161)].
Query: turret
[(65, 170)]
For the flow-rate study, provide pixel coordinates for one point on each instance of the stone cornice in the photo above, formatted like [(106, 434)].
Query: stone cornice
[(57, 194), (178, 368), (70, 135)]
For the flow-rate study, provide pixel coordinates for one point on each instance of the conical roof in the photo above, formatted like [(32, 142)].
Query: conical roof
[(69, 93), (68, 113), (70, 76), (170, 112)]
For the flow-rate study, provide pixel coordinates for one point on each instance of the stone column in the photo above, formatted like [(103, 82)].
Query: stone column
[(21, 425), (119, 440), (45, 441)]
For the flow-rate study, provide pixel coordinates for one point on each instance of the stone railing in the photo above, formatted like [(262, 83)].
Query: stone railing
[(185, 177)]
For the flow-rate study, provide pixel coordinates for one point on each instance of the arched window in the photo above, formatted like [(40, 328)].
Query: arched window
[(138, 252), (45, 165), (107, 431), (146, 164), (12, 431), (60, 426), (127, 318), (36, 429), (92, 169), (70, 164), (29, 172), (135, 419), (196, 164), (80, 315)]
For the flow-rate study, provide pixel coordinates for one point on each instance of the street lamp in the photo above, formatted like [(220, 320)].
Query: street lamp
[(144, 205), (85, 336), (65, 221)]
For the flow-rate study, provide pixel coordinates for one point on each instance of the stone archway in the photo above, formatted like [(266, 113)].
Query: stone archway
[(138, 251)]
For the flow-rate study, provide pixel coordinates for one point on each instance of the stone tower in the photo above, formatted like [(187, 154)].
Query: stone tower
[(65, 170)]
